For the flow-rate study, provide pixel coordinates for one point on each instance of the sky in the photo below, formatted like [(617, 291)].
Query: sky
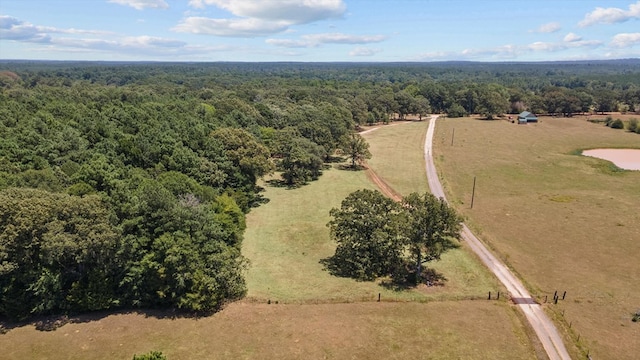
[(319, 30)]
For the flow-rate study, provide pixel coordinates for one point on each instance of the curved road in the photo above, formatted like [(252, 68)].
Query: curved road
[(540, 322)]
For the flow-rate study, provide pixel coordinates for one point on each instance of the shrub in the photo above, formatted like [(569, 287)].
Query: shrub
[(608, 121), (456, 111), (617, 124), (152, 355), (633, 125)]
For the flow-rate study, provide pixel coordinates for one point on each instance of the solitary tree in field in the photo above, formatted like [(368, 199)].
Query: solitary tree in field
[(356, 148), (377, 237)]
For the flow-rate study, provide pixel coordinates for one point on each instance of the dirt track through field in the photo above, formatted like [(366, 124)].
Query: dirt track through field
[(539, 321)]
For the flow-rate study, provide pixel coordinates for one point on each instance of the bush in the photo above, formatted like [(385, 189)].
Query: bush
[(152, 355), (633, 125), (456, 111), (617, 124), (608, 121)]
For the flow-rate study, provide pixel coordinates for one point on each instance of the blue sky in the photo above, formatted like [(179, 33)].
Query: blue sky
[(319, 30)]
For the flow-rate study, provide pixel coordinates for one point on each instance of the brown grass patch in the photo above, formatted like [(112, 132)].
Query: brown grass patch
[(560, 220), (442, 330)]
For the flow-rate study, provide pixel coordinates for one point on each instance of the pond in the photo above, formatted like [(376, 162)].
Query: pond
[(628, 159)]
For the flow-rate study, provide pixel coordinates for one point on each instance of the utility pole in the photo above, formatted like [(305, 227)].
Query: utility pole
[(473, 192)]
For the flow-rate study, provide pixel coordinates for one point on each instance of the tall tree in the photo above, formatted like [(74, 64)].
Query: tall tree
[(356, 148), (367, 231), (432, 226)]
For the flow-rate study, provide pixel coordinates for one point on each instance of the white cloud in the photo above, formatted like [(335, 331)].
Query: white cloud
[(142, 4), (73, 40), (500, 52), (230, 27), (288, 43), (548, 28), (15, 29), (546, 46), (540, 46), (315, 40), (626, 40), (571, 37), (611, 15), (508, 51), (364, 51), (291, 11), (260, 17)]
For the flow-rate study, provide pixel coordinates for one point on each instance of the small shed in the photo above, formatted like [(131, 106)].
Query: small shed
[(527, 117)]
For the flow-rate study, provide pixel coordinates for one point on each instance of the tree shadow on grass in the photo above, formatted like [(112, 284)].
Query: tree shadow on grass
[(54, 322), (334, 159), (338, 267), (406, 280), (334, 267), (350, 167), (277, 183)]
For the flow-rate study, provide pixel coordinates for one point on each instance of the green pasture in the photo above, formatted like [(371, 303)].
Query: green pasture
[(287, 237)]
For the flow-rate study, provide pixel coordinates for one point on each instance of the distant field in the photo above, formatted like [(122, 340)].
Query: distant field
[(398, 155), (439, 330), (560, 220)]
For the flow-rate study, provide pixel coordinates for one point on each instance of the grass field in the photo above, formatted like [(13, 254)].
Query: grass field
[(562, 221), (439, 330), (287, 237), (399, 156)]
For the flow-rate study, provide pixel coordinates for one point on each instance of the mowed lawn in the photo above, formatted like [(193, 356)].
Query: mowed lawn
[(562, 221), (439, 330), (287, 237)]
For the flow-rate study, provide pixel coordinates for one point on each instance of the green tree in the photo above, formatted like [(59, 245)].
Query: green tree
[(57, 253), (301, 161), (356, 148), (366, 229), (431, 228), (493, 101), (379, 237)]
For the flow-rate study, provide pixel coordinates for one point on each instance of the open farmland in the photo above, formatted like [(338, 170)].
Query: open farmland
[(562, 221), (440, 330)]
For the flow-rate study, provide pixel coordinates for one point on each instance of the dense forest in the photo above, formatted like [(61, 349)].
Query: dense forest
[(126, 185)]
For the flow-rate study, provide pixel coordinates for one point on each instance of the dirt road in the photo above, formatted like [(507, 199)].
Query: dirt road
[(540, 322)]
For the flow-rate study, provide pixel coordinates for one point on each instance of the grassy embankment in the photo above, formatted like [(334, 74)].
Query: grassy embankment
[(562, 221)]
